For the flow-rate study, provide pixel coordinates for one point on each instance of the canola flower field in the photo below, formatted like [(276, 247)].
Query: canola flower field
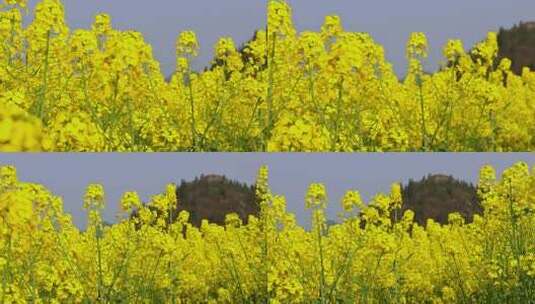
[(372, 255), (100, 89)]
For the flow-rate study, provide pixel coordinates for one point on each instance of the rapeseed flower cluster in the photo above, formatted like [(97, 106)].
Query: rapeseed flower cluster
[(100, 89), (369, 256)]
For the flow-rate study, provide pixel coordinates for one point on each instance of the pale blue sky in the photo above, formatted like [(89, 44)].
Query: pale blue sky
[(389, 21), (69, 174)]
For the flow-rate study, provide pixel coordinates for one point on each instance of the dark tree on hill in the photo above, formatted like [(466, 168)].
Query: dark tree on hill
[(518, 44), (436, 196), (212, 197)]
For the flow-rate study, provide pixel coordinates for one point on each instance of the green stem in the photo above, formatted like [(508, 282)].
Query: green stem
[(265, 252), (7, 267), (42, 97), (99, 261), (192, 107), (269, 98), (422, 109), (322, 273), (339, 101)]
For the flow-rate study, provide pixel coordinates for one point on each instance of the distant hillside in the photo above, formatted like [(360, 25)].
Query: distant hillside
[(436, 196), (212, 197), (518, 44)]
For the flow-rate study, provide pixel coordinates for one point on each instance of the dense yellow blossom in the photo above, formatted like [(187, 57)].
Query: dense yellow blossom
[(19, 130), (100, 89), (370, 256), (129, 201)]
